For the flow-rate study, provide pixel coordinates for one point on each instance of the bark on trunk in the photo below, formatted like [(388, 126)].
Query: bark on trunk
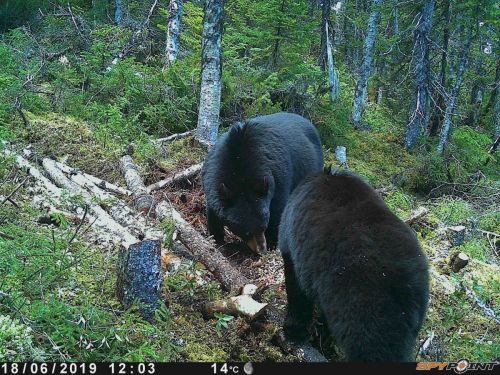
[(211, 73), (139, 276), (452, 103), (118, 12), (440, 102), (367, 67), (173, 31), (420, 114), (333, 76)]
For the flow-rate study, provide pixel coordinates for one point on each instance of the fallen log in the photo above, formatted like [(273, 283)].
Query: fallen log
[(103, 219), (101, 184), (170, 138), (139, 276), (417, 215), (176, 178), (142, 200), (203, 249)]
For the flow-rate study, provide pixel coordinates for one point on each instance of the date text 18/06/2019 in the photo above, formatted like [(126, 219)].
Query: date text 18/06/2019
[(64, 368)]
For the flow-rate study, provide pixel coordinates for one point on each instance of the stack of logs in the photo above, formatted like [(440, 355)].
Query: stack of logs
[(139, 260)]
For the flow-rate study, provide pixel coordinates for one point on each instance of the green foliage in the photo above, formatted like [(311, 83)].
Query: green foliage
[(477, 248), (222, 322), (453, 211), (16, 342)]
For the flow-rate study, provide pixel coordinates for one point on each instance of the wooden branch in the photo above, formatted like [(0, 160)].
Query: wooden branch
[(417, 215), (242, 305), (176, 178), (231, 279), (170, 138), (142, 200), (133, 40), (14, 191)]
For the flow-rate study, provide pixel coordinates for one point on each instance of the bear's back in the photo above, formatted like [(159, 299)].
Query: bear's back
[(358, 261)]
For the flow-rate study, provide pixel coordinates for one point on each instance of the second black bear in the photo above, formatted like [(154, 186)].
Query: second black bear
[(347, 252), (251, 171)]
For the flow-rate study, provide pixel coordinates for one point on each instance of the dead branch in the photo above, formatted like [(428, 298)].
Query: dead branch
[(170, 138), (176, 178), (129, 46), (231, 279), (14, 191), (142, 200), (242, 305)]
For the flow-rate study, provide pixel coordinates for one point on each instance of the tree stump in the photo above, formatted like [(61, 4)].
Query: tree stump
[(139, 275), (458, 261), (457, 235)]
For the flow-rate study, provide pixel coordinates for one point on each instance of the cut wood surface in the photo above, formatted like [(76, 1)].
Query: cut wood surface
[(176, 178)]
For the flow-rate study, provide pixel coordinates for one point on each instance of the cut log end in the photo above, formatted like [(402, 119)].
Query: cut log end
[(458, 261)]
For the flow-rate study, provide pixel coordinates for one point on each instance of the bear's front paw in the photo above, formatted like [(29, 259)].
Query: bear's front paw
[(296, 330)]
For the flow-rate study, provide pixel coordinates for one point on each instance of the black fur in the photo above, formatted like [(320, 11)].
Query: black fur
[(347, 252), (253, 168)]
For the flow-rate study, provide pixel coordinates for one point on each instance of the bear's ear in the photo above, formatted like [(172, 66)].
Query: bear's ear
[(224, 193), (327, 169), (262, 186)]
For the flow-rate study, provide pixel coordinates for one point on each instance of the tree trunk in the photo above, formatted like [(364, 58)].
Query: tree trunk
[(367, 67), (211, 73), (494, 93), (440, 102), (420, 114), (333, 76), (325, 25), (173, 31), (452, 103), (118, 12), (273, 60)]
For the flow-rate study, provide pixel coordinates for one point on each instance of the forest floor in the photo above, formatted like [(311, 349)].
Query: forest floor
[(60, 291)]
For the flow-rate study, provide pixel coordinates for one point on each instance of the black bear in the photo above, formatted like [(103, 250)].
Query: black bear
[(345, 251), (250, 172)]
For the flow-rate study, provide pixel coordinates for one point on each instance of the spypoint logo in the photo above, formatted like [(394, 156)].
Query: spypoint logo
[(459, 367), (464, 365)]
